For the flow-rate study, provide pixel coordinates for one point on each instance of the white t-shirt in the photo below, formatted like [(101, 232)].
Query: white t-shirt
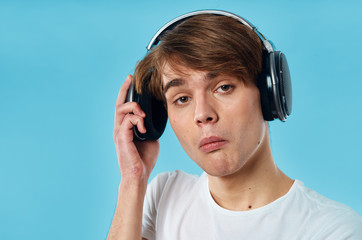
[(179, 206)]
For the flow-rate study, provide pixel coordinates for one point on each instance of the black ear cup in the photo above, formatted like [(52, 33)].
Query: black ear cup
[(264, 83), (156, 114), (275, 87), (285, 85)]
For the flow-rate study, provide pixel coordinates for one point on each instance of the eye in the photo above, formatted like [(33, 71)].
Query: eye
[(182, 100), (224, 88)]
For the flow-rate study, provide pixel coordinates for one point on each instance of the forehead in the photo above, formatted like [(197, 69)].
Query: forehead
[(170, 73)]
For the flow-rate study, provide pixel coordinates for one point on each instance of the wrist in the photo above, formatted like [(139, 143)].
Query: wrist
[(133, 183)]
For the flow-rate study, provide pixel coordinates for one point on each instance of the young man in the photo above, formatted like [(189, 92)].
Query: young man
[(206, 70)]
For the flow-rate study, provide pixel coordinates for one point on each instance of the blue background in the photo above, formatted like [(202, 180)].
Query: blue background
[(62, 64)]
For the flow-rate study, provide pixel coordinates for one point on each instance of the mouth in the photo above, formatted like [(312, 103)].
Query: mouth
[(210, 144)]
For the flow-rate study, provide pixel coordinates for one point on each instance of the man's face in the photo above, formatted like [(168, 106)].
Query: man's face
[(218, 120)]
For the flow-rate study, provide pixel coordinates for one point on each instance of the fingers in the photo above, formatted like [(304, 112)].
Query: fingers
[(126, 108), (123, 91), (131, 120), (125, 129), (127, 114), (120, 109)]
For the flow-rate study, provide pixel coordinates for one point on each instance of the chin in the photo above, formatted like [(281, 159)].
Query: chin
[(219, 172), (220, 166)]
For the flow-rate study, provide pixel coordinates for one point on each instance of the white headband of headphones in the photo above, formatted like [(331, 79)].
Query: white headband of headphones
[(171, 24)]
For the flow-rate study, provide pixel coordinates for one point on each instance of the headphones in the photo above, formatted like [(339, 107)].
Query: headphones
[(274, 82)]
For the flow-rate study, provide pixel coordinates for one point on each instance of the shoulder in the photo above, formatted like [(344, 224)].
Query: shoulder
[(332, 218), (321, 203), (171, 183), (177, 177)]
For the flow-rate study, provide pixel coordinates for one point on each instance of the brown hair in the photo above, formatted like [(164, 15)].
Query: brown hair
[(213, 43)]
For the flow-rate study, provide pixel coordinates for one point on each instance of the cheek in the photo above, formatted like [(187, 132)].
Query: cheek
[(252, 105), (181, 127), (248, 117)]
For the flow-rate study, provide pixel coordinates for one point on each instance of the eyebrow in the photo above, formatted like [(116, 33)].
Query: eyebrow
[(173, 83), (179, 81)]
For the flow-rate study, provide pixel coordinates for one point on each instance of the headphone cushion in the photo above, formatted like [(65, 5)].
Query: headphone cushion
[(284, 84), (156, 116), (265, 88)]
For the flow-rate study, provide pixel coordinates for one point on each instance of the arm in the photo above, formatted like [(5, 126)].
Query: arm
[(136, 161), (127, 220)]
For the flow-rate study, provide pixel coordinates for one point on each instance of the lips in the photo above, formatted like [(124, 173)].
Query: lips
[(212, 143)]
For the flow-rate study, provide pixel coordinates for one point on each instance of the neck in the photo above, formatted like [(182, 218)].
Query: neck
[(258, 183)]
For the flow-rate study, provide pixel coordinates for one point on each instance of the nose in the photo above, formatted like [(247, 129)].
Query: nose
[(205, 112)]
